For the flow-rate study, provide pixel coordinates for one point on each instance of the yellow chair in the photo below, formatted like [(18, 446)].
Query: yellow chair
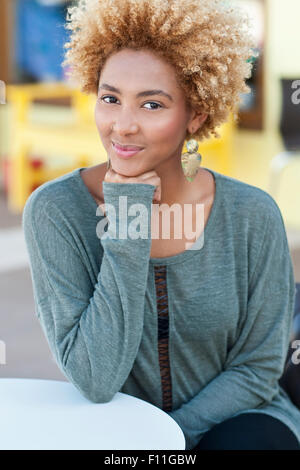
[(79, 140)]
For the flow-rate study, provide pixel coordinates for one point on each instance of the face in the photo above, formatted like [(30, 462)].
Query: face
[(156, 122)]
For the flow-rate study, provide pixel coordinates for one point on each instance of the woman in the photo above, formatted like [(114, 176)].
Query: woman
[(198, 326)]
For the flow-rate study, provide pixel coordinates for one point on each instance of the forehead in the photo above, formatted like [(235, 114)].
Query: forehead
[(142, 68)]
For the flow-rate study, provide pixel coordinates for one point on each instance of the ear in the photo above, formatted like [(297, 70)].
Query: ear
[(196, 121)]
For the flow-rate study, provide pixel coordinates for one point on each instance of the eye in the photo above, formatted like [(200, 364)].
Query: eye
[(110, 96), (156, 104)]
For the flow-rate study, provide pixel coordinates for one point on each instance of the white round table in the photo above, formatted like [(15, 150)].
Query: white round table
[(48, 414)]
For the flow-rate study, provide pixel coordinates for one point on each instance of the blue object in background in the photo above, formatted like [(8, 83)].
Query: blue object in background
[(39, 38)]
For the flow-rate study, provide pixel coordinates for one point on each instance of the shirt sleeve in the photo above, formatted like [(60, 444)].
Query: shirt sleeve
[(93, 335), (256, 361)]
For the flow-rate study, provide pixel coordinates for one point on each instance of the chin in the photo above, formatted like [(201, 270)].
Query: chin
[(127, 168)]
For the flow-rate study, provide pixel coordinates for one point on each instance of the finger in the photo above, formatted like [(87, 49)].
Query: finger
[(111, 172), (148, 174), (110, 175), (157, 194), (102, 207)]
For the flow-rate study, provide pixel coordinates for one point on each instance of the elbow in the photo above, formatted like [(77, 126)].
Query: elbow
[(90, 391), (85, 382), (97, 397)]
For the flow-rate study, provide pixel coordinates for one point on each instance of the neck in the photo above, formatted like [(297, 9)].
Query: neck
[(174, 186)]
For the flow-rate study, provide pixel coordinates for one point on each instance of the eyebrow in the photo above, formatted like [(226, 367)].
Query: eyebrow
[(142, 93)]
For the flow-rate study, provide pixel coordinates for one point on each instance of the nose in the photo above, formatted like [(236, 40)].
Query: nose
[(123, 130), (125, 124)]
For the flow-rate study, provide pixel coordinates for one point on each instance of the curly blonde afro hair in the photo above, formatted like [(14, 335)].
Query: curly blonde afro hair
[(208, 42)]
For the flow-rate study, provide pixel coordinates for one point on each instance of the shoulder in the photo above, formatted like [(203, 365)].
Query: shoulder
[(59, 193), (248, 202)]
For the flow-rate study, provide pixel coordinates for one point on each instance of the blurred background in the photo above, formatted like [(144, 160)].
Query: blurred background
[(47, 129)]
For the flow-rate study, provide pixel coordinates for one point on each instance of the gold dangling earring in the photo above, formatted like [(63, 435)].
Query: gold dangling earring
[(191, 160)]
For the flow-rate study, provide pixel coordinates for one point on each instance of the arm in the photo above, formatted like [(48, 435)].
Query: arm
[(256, 361), (94, 332)]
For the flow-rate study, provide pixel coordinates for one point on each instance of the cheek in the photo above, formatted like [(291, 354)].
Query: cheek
[(98, 115), (103, 122), (169, 130), (173, 128)]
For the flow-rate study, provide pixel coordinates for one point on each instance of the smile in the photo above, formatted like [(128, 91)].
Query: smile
[(125, 153)]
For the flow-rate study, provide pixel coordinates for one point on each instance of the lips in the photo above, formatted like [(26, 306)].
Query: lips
[(125, 153), (127, 147)]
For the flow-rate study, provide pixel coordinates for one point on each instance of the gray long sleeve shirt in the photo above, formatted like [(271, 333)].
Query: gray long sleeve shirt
[(203, 335)]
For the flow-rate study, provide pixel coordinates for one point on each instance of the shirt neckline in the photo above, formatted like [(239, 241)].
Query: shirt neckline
[(187, 254)]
